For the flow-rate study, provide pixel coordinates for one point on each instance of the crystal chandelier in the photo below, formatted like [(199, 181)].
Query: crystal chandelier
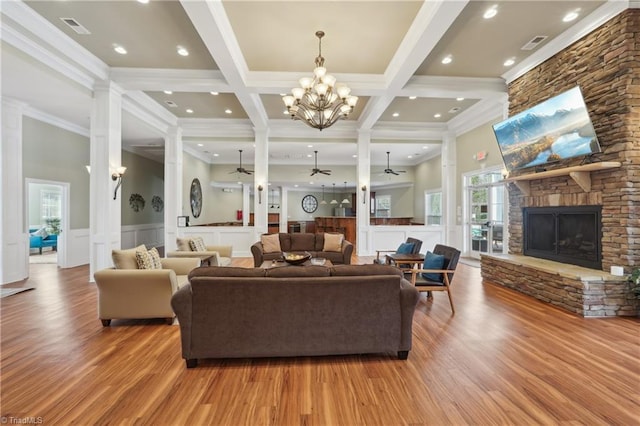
[(320, 102)]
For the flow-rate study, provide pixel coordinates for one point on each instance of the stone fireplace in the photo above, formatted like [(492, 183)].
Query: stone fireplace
[(604, 64)]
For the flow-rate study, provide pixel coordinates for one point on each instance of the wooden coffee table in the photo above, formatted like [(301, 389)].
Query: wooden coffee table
[(404, 259), (268, 264)]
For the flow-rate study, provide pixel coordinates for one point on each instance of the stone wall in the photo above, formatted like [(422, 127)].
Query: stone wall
[(606, 66)]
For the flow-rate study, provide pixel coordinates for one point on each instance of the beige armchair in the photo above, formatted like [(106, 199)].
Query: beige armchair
[(141, 293), (213, 255)]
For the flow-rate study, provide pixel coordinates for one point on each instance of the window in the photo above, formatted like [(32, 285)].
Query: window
[(433, 208), (50, 204)]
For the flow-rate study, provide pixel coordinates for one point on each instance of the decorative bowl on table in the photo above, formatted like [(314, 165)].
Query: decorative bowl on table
[(295, 258), (318, 261)]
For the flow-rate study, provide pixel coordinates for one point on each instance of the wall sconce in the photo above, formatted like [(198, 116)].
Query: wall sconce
[(364, 194), (260, 188), (117, 175)]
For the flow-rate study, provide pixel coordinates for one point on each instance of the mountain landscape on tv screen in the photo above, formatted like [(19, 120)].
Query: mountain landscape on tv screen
[(531, 139)]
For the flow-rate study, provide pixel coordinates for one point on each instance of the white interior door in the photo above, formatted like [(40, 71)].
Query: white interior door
[(485, 213)]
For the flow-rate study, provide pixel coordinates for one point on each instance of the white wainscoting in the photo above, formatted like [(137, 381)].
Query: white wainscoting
[(151, 235), (77, 248), (390, 237), (241, 238)]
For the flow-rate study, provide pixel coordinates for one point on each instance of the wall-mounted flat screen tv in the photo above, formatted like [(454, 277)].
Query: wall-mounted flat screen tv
[(553, 130)]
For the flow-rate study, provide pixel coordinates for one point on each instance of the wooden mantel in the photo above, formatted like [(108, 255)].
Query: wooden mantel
[(580, 174)]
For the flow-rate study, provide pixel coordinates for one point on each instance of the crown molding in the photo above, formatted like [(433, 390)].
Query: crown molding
[(50, 39), (36, 114), (178, 80), (594, 20)]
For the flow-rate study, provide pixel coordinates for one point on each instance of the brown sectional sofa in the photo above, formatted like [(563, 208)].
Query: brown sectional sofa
[(294, 311), (301, 243)]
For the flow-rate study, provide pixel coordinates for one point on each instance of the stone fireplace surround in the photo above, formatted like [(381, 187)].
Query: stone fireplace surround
[(603, 64)]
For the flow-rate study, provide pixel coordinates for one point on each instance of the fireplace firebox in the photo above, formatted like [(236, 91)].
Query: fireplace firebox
[(564, 234)]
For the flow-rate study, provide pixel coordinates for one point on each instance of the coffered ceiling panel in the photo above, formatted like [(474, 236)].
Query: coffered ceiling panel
[(425, 109), (150, 32), (280, 35), (202, 105)]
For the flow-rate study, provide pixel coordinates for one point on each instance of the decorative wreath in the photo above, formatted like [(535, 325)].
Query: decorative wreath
[(136, 202), (157, 203)]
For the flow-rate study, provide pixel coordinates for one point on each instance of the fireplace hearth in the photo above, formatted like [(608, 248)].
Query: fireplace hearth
[(564, 234)]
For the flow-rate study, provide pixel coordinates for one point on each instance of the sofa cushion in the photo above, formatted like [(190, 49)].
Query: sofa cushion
[(155, 258), (319, 241), (145, 260), (230, 271), (333, 242), (303, 242), (42, 232), (364, 270), (183, 244), (285, 241), (433, 261), (126, 259), (271, 243), (197, 244), (298, 271)]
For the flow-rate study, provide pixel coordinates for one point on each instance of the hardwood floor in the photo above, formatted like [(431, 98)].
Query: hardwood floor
[(504, 358)]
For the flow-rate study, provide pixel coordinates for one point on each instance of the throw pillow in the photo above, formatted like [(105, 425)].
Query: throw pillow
[(405, 248), (333, 242), (155, 258), (270, 243), (42, 232), (433, 261), (183, 244), (126, 259), (197, 244), (144, 260)]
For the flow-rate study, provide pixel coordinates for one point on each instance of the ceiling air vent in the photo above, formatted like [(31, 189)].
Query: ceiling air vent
[(75, 26), (454, 110), (534, 42), (171, 104)]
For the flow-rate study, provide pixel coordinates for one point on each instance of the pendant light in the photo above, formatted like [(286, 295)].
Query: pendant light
[(334, 201), (346, 198), (323, 202)]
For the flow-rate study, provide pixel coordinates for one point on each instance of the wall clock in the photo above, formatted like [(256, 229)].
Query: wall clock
[(309, 203), (196, 197)]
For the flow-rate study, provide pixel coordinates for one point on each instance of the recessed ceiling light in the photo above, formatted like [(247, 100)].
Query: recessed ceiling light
[(412, 97), (459, 99), (571, 15), (355, 155), (168, 92), (509, 62), (189, 111), (409, 156), (143, 1), (200, 144), (437, 115), (396, 114), (216, 155), (227, 111), (214, 93), (309, 146), (491, 12), (296, 185), (425, 147), (447, 59), (309, 155), (182, 51), (120, 49)]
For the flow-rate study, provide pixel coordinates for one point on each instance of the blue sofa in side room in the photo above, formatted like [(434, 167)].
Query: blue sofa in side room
[(36, 241)]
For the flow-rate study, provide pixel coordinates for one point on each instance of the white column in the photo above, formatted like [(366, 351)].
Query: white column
[(106, 156), (14, 250), (172, 186), (453, 236), (261, 179), (363, 238)]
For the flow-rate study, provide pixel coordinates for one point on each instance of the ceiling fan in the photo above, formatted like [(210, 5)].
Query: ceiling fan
[(389, 170), (316, 170), (242, 169)]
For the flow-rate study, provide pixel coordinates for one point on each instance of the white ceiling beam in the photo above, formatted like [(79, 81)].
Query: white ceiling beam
[(431, 23), (178, 80), (211, 22), (274, 83)]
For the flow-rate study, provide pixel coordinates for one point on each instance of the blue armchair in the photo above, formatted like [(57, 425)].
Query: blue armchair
[(37, 241)]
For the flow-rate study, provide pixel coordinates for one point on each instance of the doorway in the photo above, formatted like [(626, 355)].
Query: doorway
[(485, 210), (46, 218)]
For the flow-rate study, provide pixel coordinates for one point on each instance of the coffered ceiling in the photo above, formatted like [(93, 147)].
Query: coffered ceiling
[(242, 55)]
